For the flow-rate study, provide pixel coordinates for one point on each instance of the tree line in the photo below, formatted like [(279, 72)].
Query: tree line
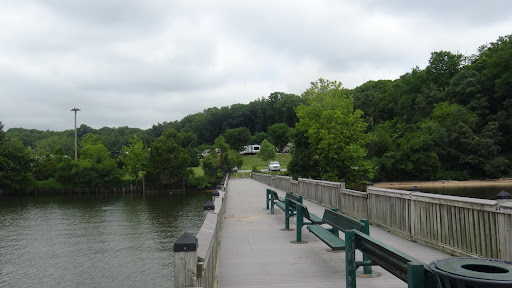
[(451, 120)]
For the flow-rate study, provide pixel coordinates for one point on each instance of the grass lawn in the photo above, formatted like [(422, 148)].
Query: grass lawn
[(198, 171), (254, 160)]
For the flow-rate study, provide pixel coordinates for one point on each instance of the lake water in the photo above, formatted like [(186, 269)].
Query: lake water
[(94, 241)]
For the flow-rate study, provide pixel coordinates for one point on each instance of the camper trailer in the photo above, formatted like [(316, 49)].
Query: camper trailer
[(250, 150)]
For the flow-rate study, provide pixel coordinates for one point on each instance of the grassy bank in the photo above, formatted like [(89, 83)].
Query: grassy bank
[(253, 160)]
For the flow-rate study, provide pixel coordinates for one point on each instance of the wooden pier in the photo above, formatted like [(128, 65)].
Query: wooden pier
[(255, 252)]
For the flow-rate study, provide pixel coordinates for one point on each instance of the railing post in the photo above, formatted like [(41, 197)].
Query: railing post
[(503, 197), (185, 261), (208, 207), (215, 195), (503, 225)]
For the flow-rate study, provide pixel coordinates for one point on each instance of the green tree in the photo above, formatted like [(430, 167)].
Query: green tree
[(95, 166), (237, 138), (60, 144), (413, 157), (168, 161), (279, 135), (216, 165), (465, 147), (376, 100), (258, 138), (443, 66), (267, 151), (15, 164), (2, 133), (135, 158), (335, 132), (45, 167), (304, 162), (228, 157)]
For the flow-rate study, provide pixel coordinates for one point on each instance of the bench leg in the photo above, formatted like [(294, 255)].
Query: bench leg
[(299, 220), (286, 214), (272, 203), (350, 259), (300, 223), (367, 270), (415, 275), (267, 198)]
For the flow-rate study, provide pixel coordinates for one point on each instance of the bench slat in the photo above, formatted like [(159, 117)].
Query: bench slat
[(341, 222), (315, 219), (327, 237), (280, 205)]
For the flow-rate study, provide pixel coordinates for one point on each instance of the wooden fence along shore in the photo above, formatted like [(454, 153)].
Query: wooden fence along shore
[(196, 257), (458, 225)]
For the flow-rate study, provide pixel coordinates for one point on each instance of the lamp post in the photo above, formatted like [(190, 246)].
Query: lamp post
[(76, 149)]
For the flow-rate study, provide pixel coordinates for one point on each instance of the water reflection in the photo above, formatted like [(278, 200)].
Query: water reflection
[(94, 241)]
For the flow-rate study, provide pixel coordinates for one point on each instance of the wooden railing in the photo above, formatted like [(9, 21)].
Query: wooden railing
[(389, 208), (458, 225), (196, 258)]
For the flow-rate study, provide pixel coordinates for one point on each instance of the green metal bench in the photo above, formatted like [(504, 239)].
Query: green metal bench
[(268, 199), (339, 222), (302, 212), (408, 269), (287, 204)]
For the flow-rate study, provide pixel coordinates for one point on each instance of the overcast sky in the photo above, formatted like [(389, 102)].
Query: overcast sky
[(140, 62)]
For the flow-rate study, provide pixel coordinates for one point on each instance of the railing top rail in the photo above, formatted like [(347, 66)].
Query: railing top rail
[(507, 206), (323, 182), (390, 192), (438, 197), (204, 237), (354, 193), (281, 176)]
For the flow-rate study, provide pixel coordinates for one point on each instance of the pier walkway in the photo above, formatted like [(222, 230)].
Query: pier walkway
[(254, 252)]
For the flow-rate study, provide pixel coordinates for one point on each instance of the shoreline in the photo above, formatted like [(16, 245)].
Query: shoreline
[(505, 182)]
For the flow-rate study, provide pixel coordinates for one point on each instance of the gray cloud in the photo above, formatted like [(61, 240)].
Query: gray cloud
[(136, 63)]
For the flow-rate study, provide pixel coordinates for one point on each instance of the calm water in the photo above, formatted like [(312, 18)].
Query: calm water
[(94, 241)]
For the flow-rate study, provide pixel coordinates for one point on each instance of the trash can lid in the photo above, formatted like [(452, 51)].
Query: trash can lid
[(477, 268)]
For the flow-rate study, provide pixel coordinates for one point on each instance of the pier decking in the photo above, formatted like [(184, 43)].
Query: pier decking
[(255, 252)]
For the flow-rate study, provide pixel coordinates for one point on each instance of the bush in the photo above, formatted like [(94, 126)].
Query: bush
[(49, 185)]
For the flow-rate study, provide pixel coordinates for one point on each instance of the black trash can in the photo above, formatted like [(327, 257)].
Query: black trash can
[(472, 272)]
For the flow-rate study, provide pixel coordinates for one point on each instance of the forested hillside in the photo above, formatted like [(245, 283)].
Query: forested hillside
[(450, 120)]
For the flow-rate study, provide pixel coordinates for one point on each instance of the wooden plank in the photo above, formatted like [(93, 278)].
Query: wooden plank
[(494, 229), (185, 267)]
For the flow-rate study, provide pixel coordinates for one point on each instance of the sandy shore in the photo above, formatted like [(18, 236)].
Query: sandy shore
[(447, 183)]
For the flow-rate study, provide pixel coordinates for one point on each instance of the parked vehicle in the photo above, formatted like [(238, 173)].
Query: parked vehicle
[(250, 150), (274, 166)]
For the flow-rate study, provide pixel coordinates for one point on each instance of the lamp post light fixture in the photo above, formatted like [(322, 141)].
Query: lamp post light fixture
[(76, 149)]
